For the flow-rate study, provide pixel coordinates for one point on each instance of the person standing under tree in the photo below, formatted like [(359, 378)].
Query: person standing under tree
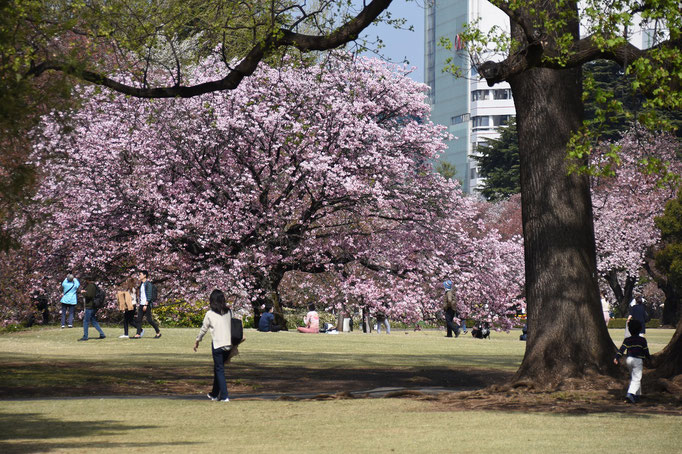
[(147, 297), (69, 298), (449, 305)]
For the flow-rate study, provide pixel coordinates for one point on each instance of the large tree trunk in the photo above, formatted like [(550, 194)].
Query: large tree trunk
[(668, 362), (567, 336)]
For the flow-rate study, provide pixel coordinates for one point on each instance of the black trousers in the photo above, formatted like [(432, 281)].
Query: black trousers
[(452, 326), (128, 320), (141, 313)]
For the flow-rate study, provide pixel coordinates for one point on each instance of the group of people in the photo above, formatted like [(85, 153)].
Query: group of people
[(135, 299), (267, 324)]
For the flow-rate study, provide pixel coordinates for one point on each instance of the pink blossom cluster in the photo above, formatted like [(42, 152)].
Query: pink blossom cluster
[(308, 170), (626, 203)]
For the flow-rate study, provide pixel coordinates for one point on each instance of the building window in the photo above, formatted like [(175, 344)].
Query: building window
[(505, 93), (473, 174), (480, 95), (501, 120), (478, 122), (457, 119)]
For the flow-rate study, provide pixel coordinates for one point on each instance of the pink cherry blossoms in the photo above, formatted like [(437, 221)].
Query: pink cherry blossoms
[(324, 169), (626, 204)]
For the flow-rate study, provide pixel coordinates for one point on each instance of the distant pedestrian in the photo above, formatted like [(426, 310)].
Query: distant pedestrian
[(382, 319), (605, 308), (449, 306), (126, 297), (218, 321), (311, 321), (144, 309), (266, 324), (636, 350), (69, 299), (90, 292), (638, 312)]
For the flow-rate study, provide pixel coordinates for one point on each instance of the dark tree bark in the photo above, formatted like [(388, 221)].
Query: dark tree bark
[(567, 335), (668, 362), (623, 295), (672, 307)]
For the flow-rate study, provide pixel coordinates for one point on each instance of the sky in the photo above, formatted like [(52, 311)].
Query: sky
[(403, 44)]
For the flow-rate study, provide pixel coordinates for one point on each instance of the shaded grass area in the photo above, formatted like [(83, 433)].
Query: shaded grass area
[(359, 426), (50, 362)]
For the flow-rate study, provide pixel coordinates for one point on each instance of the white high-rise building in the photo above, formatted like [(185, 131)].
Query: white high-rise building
[(470, 109)]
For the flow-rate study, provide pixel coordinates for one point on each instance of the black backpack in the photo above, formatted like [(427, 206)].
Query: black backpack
[(100, 297)]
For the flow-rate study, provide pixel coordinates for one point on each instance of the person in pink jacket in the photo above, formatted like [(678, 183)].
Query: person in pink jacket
[(311, 320)]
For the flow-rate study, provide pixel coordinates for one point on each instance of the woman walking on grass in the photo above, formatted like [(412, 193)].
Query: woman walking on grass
[(218, 321)]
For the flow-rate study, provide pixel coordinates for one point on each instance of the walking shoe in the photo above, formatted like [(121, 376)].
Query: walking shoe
[(102, 336), (142, 333), (211, 397), (157, 336), (82, 339), (70, 326), (124, 336), (63, 326), (630, 398), (227, 399)]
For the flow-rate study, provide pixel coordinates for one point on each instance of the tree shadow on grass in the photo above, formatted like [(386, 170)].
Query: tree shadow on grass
[(34, 432)]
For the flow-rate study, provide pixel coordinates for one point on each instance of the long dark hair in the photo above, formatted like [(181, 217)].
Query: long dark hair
[(217, 302)]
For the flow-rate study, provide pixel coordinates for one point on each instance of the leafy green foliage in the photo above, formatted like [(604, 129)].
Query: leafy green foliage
[(669, 259), (498, 161), (446, 169)]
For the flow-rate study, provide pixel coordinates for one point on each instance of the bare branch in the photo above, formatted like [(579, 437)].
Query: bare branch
[(342, 35)]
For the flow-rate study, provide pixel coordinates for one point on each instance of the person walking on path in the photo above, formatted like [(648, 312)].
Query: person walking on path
[(449, 305), (144, 310), (218, 320), (636, 350), (638, 312), (90, 291), (311, 320), (69, 299), (125, 297)]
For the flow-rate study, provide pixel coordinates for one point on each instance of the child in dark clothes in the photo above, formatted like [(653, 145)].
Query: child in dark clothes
[(636, 349)]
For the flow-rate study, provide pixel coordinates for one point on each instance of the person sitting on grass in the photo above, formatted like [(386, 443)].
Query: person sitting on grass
[(636, 350), (266, 323), (311, 320)]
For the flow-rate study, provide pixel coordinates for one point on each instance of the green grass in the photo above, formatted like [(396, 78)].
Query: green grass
[(357, 426), (52, 361)]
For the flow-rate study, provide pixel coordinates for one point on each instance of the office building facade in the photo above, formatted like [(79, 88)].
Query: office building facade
[(470, 109)]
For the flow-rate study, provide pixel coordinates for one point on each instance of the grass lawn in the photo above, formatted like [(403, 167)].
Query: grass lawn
[(49, 362)]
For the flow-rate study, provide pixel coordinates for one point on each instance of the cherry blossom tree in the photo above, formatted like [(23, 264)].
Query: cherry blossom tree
[(313, 170), (626, 204)]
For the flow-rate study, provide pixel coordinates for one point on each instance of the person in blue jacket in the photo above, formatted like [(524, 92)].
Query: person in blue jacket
[(69, 299), (266, 323)]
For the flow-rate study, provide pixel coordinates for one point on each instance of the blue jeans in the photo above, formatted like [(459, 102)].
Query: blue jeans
[(71, 308), (385, 323), (90, 319), (219, 383)]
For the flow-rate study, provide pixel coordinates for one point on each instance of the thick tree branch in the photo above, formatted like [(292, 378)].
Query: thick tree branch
[(582, 51), (342, 35)]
